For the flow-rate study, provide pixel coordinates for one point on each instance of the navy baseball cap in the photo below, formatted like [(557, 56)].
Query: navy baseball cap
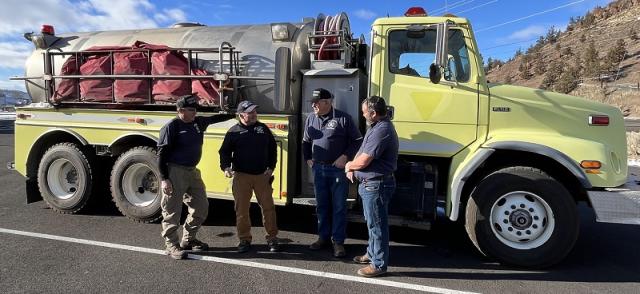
[(246, 106), (187, 101), (320, 93)]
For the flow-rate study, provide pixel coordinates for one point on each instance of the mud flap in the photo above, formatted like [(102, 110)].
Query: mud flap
[(33, 193)]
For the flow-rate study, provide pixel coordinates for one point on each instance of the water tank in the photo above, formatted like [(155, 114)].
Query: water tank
[(257, 57)]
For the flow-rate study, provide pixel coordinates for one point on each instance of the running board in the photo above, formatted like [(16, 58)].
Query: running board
[(312, 201), (394, 220), (616, 205)]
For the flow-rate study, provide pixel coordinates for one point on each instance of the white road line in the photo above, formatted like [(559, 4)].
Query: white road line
[(252, 264)]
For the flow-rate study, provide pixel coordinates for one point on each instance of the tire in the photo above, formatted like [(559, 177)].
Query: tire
[(64, 178), (135, 184), (522, 217)]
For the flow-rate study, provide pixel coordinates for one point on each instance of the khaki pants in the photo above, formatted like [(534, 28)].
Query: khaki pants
[(188, 187), (244, 185)]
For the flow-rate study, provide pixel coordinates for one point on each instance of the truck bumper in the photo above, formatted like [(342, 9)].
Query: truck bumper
[(620, 205)]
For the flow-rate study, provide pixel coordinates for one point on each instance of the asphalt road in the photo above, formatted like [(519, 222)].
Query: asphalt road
[(606, 258)]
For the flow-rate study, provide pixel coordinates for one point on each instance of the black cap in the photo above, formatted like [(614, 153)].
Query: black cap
[(320, 93), (246, 106), (187, 101)]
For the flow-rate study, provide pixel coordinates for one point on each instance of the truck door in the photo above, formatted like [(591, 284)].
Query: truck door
[(431, 119)]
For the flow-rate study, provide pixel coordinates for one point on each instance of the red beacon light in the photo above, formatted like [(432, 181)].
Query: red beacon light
[(415, 11), (47, 29)]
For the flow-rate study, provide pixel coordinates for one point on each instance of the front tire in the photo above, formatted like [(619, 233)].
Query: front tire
[(135, 185), (523, 217), (64, 178)]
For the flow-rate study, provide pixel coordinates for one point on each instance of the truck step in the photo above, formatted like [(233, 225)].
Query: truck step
[(312, 201), (615, 206)]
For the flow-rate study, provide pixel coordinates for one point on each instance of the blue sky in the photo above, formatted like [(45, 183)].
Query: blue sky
[(496, 22)]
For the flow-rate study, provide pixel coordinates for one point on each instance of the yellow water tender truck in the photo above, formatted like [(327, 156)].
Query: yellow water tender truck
[(510, 163)]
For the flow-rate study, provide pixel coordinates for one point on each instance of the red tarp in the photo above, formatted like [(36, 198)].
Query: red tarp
[(163, 61)]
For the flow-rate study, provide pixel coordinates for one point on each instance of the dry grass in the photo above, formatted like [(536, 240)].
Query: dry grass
[(633, 145), (627, 100)]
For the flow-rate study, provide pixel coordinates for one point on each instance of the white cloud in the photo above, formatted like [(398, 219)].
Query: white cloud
[(365, 14), (12, 85), (527, 33), (13, 55), (19, 16)]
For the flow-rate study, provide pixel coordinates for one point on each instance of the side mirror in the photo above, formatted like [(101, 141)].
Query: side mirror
[(282, 78), (434, 73), (442, 38)]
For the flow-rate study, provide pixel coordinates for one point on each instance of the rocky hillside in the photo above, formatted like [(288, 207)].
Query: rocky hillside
[(596, 57), (11, 97)]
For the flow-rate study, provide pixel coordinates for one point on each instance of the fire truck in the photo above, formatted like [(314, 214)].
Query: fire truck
[(509, 163)]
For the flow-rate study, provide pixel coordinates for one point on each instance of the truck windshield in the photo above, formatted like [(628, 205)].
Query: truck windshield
[(412, 56)]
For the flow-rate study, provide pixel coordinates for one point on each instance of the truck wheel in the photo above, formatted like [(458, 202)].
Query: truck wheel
[(522, 217), (135, 184), (64, 178)]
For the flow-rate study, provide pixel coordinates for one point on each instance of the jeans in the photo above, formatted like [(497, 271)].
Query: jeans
[(331, 189), (376, 196)]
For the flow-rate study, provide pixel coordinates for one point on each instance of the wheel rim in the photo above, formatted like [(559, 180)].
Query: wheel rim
[(140, 185), (522, 220), (62, 179)]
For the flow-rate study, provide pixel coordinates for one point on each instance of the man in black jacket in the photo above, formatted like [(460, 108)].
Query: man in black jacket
[(179, 151), (248, 154)]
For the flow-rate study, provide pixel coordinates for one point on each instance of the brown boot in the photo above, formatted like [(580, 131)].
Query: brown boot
[(175, 252), (370, 272), (319, 244), (362, 259)]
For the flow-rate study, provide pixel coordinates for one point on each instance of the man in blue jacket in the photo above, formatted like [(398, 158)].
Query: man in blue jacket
[(331, 138)]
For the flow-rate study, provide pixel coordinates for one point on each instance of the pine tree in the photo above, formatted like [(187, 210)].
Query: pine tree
[(552, 75), (568, 80), (591, 62), (525, 69), (615, 55), (552, 35), (539, 67)]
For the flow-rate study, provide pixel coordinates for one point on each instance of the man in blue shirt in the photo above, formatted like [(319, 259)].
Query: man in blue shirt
[(373, 167), (179, 151), (330, 139)]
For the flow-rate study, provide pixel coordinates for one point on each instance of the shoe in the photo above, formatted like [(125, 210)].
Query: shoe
[(338, 250), (319, 244), (370, 272), (175, 252), (194, 245), (244, 246), (362, 259), (274, 245)]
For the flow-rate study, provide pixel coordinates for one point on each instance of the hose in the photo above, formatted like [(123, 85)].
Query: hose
[(328, 25)]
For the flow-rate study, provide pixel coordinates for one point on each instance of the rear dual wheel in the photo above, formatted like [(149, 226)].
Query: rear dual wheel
[(65, 178), (135, 184)]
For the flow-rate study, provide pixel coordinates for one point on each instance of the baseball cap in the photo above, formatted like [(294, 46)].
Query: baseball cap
[(187, 101), (246, 106), (320, 93)]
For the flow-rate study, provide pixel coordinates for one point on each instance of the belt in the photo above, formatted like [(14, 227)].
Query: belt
[(378, 178), (322, 162)]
